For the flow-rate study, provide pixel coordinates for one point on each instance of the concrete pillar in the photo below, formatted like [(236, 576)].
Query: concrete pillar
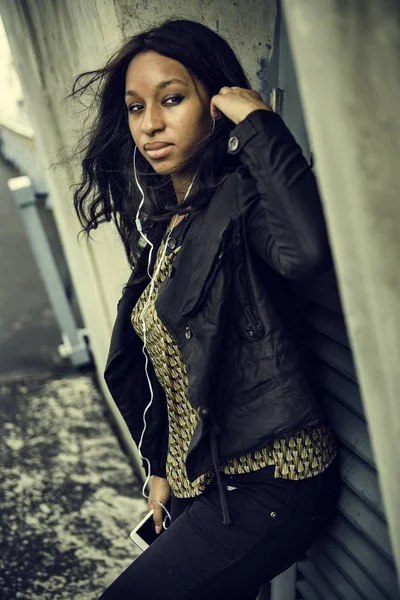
[(74, 346), (347, 56)]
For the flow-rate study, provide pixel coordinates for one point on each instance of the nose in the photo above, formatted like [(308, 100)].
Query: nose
[(152, 120)]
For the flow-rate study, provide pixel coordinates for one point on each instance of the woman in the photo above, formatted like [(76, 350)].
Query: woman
[(218, 210)]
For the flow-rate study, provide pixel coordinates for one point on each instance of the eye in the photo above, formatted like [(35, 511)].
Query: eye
[(170, 101), (132, 108), (175, 99)]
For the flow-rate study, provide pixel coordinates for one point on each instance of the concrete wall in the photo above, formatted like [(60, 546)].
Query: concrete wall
[(54, 41), (10, 103)]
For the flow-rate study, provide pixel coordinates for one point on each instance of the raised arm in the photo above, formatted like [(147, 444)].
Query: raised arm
[(284, 217)]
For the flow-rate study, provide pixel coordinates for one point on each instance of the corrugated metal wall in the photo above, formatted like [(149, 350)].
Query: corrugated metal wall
[(354, 560)]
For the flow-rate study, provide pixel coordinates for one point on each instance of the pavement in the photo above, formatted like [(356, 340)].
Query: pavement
[(68, 493)]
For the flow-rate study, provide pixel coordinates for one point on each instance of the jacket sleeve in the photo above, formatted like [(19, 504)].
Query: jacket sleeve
[(284, 218)]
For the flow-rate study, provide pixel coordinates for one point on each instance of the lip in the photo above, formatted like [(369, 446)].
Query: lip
[(158, 150)]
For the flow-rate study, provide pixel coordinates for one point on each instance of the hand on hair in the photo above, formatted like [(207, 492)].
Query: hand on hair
[(236, 103)]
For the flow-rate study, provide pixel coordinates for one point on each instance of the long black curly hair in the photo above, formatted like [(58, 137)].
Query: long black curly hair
[(107, 190)]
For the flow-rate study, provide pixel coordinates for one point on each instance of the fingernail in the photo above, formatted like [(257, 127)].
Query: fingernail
[(158, 529)]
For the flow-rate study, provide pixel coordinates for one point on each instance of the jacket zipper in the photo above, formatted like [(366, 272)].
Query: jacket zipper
[(247, 302), (246, 298)]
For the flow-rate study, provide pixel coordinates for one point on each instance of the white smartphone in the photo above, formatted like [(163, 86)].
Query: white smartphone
[(144, 533)]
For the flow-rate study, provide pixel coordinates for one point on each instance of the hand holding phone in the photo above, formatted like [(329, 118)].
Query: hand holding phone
[(150, 527), (143, 535), (161, 492)]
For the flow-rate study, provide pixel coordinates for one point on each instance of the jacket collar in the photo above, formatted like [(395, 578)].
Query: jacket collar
[(202, 244), (192, 265)]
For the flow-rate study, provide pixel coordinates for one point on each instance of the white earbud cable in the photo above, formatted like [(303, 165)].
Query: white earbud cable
[(142, 317)]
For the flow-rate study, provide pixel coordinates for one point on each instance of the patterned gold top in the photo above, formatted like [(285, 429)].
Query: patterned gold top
[(305, 454)]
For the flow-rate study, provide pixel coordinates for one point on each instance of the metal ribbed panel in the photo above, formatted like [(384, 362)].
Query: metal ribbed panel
[(364, 554), (327, 580), (353, 561)]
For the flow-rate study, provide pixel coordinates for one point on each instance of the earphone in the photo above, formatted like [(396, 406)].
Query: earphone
[(142, 318)]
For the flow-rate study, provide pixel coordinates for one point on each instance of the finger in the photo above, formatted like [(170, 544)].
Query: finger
[(256, 95), (158, 519), (233, 88), (215, 113), (243, 91), (215, 109)]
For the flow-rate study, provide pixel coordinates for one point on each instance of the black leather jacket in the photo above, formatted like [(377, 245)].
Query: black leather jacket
[(225, 306)]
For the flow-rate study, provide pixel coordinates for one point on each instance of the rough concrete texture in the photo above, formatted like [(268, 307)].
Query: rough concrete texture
[(68, 495), (247, 25)]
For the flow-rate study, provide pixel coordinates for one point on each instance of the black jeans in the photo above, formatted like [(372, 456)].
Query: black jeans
[(274, 521)]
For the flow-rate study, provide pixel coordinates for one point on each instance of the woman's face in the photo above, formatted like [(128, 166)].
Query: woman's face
[(165, 111)]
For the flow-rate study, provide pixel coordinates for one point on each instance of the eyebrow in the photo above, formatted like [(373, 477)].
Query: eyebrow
[(159, 86)]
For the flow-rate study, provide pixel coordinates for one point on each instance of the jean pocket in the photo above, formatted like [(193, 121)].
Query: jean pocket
[(271, 495)]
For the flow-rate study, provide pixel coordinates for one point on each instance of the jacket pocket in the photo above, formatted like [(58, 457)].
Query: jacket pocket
[(254, 328), (244, 398)]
